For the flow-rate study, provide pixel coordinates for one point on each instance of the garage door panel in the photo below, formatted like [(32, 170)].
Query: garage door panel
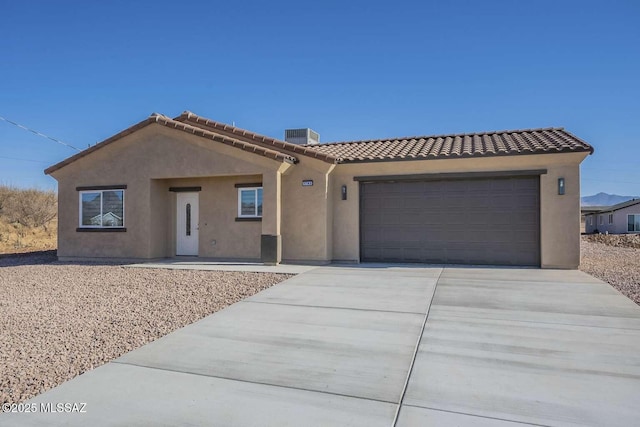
[(483, 221)]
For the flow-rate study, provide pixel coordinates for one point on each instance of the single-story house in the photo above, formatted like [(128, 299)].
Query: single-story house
[(190, 186), (584, 212), (617, 219)]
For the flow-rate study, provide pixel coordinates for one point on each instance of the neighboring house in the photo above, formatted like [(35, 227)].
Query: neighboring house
[(584, 212), (617, 219), (107, 220), (193, 186)]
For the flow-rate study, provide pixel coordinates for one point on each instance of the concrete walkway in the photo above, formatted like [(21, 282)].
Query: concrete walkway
[(378, 346), (196, 263)]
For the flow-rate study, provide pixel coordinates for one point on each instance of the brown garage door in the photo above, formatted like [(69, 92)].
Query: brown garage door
[(476, 221)]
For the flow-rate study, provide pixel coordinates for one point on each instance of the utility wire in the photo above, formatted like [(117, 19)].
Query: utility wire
[(605, 180), (39, 133), (24, 160)]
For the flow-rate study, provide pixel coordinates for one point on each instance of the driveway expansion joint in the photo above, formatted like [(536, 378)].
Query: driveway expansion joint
[(539, 322), (333, 307), (415, 353), (525, 423), (250, 382)]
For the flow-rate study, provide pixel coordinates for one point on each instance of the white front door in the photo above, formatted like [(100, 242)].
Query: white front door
[(187, 224)]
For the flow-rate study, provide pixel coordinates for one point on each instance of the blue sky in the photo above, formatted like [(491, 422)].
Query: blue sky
[(81, 71)]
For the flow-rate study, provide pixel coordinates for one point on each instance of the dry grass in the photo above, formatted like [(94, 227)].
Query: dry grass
[(28, 220), (16, 238)]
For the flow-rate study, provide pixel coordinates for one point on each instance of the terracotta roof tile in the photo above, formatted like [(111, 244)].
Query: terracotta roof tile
[(510, 142), (253, 138), (514, 142), (234, 142), (168, 122)]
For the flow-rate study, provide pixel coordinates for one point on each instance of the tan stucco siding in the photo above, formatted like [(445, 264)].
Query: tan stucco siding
[(306, 231), (134, 243), (220, 235), (145, 161), (315, 224), (160, 219), (559, 215), (346, 213)]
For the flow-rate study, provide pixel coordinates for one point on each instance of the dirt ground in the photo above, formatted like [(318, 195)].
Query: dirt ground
[(15, 238)]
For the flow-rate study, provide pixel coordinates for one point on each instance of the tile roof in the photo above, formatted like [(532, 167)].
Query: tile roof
[(510, 142), (513, 142), (232, 141), (185, 127), (251, 137)]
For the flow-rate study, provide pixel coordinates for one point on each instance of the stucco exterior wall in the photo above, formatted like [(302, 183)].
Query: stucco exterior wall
[(559, 214), (306, 228), (220, 235), (313, 222), (160, 218), (146, 161), (132, 244)]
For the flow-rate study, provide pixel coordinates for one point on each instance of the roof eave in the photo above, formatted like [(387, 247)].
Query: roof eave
[(170, 123), (457, 156), (256, 138), (83, 153), (620, 206), (245, 146)]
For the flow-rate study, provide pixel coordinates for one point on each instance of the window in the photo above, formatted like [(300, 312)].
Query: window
[(633, 223), (188, 219), (590, 219), (250, 202), (102, 209), (610, 218), (600, 219)]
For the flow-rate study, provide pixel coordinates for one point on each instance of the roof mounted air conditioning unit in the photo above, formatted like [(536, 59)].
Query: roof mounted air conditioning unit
[(304, 136)]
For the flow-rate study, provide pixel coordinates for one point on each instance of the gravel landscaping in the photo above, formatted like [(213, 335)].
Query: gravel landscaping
[(615, 260), (60, 320)]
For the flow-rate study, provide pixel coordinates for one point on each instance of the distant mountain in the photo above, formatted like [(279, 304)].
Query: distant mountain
[(604, 199)]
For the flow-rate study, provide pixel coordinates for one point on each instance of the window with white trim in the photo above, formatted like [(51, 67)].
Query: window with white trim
[(102, 209), (600, 219), (250, 202), (633, 223), (590, 219), (610, 218)]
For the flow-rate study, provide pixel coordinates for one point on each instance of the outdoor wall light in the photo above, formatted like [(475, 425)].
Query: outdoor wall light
[(561, 186), (344, 192)]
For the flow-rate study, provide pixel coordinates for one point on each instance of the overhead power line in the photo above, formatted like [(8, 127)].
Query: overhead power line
[(39, 133), (605, 180), (24, 160)]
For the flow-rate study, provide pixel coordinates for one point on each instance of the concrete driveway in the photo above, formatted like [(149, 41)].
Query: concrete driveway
[(376, 345)]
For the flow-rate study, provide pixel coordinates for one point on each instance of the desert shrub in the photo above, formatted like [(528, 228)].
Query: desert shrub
[(28, 207)]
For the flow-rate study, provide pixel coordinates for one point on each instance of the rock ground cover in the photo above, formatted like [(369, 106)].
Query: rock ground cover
[(614, 259), (60, 320)]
